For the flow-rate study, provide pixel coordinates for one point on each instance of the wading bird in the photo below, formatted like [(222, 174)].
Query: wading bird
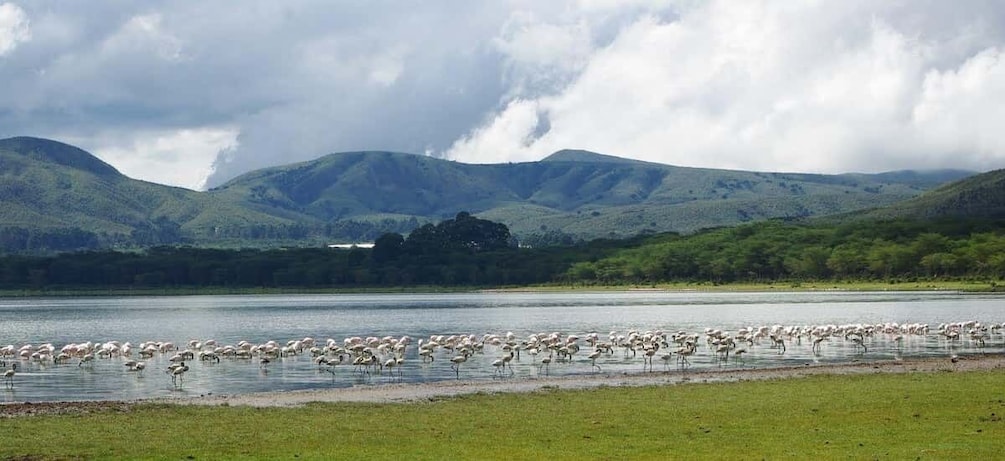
[(8, 376)]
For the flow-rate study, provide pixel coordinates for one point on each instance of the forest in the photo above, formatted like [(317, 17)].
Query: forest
[(469, 252), (895, 250)]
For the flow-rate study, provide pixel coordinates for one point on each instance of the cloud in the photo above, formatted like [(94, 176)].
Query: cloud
[(156, 87), (779, 86), (14, 27), (172, 153), (960, 109), (403, 80)]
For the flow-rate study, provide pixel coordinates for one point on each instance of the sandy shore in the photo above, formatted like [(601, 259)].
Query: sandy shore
[(403, 393)]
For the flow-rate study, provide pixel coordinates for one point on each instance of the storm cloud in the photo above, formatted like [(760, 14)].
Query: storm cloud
[(194, 93)]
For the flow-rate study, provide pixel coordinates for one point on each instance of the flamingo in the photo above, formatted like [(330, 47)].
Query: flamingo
[(456, 362), (177, 372), (859, 342), (390, 364), (684, 352), (499, 365), (899, 339), (816, 344), (8, 375), (88, 358), (331, 362), (426, 351), (739, 353), (780, 344), (666, 360), (593, 358), (546, 364), (506, 361)]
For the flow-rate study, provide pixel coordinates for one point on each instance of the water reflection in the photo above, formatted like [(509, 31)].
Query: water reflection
[(637, 330)]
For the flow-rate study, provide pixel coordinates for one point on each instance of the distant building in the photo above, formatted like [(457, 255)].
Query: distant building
[(349, 246)]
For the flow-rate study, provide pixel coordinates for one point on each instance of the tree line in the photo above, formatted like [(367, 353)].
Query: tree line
[(467, 251), (896, 250), (162, 231), (463, 251)]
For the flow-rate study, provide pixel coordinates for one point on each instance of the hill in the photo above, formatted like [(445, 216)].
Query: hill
[(56, 197), (978, 196), (581, 193)]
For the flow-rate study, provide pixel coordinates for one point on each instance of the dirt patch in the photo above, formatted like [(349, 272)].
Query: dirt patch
[(8, 410), (400, 393)]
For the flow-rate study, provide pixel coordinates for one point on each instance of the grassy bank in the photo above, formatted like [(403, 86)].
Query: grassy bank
[(970, 286), (931, 285), (214, 291), (862, 285), (940, 415)]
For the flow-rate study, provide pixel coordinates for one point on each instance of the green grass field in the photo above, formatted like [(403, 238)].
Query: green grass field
[(938, 415)]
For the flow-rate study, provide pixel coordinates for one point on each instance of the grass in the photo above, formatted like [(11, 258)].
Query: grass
[(940, 415), (931, 285), (216, 291), (970, 286)]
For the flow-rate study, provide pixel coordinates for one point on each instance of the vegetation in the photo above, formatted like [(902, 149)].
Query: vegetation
[(890, 251), (979, 196), (889, 416), (470, 252), (464, 251), (57, 198)]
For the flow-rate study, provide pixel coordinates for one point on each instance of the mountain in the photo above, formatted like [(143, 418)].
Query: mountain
[(978, 196), (576, 192), (56, 197)]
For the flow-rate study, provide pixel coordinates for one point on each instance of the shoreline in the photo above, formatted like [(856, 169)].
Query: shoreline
[(410, 393), (431, 392), (969, 287)]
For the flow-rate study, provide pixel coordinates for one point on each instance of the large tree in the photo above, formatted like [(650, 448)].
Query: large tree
[(464, 232)]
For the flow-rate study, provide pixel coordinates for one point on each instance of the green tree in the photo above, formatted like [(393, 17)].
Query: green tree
[(388, 247), (847, 261)]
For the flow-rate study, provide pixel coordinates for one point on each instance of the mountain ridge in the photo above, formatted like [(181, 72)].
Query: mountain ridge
[(358, 195)]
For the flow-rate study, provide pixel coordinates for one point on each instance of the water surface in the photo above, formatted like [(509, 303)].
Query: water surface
[(281, 318)]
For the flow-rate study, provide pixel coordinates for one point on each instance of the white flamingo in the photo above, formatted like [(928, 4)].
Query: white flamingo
[(8, 375), (593, 358), (177, 372), (455, 363)]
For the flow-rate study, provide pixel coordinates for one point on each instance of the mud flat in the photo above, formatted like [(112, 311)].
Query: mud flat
[(391, 393), (427, 392)]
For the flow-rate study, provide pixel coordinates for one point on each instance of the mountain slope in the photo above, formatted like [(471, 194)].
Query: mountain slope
[(978, 196), (588, 194), (56, 196)]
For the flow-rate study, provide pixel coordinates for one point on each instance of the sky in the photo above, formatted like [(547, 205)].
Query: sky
[(193, 93)]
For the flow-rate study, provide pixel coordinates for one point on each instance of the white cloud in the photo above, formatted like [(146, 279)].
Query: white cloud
[(960, 110), (542, 55), (504, 138), (805, 85), (14, 27), (778, 86), (182, 157), (144, 34)]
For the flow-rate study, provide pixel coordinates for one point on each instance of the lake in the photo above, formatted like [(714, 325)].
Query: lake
[(283, 318)]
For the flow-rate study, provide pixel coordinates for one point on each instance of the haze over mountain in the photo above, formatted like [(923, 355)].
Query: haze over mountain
[(55, 196)]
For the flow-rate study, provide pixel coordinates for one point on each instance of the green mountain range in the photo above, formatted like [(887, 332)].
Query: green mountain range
[(56, 197)]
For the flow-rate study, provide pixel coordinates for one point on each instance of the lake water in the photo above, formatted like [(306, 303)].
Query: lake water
[(282, 318)]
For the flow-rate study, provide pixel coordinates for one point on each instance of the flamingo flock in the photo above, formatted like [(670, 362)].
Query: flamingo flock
[(507, 354)]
